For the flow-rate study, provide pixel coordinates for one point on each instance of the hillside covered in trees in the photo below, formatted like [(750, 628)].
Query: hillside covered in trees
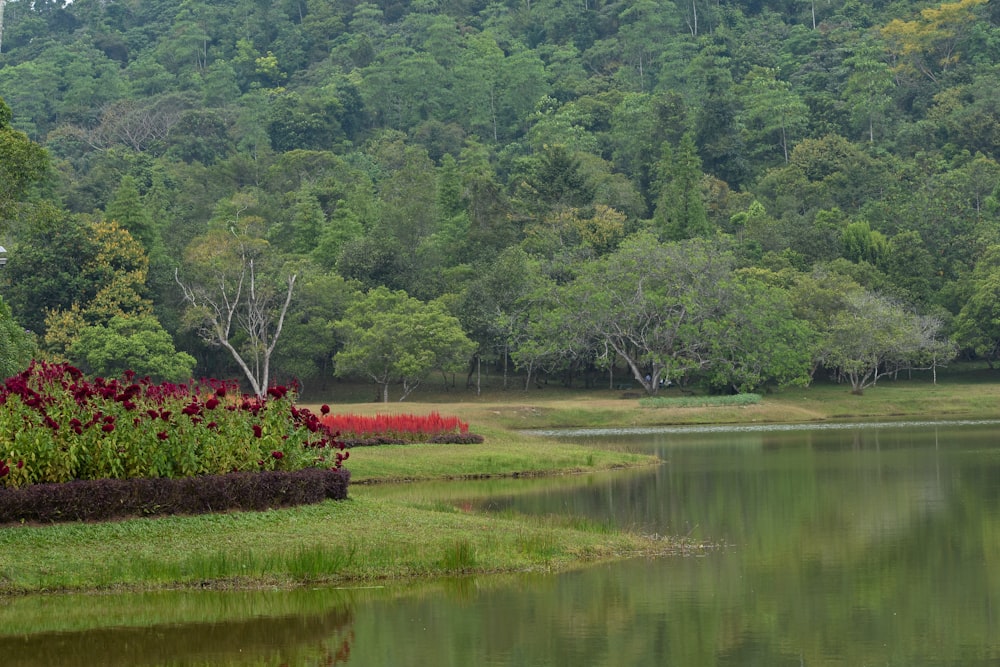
[(728, 193)]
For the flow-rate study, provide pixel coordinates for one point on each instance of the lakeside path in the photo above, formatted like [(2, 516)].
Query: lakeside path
[(375, 537)]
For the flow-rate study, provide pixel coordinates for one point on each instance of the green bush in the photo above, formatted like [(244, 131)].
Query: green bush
[(699, 401)]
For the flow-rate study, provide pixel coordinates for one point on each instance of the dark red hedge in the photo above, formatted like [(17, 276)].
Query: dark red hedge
[(103, 499)]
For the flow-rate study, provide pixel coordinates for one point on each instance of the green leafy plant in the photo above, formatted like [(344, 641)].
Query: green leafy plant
[(58, 426), (700, 401)]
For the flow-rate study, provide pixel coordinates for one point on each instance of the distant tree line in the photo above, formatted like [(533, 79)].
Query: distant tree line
[(729, 195)]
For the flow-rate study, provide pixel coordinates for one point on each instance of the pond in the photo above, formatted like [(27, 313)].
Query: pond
[(847, 545)]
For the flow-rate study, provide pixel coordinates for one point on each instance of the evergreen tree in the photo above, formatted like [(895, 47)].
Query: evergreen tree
[(680, 211)]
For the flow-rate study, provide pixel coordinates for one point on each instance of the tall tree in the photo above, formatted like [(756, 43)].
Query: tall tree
[(773, 114), (17, 346), (680, 210), (717, 134), (22, 164), (868, 88), (236, 300), (929, 45)]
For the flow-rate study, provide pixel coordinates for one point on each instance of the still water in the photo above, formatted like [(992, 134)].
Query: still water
[(853, 545)]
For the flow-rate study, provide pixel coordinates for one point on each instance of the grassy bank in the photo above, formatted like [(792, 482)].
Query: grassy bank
[(379, 535), (364, 539)]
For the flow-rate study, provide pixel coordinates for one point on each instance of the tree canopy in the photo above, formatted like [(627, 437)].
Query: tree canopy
[(258, 154)]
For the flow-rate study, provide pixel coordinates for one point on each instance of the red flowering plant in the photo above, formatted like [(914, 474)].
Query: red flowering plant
[(57, 426), (403, 428)]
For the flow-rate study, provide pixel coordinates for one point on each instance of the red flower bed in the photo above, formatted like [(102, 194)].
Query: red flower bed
[(57, 426), (355, 430)]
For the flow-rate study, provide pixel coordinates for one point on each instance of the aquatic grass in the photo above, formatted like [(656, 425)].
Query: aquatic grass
[(459, 556), (699, 401)]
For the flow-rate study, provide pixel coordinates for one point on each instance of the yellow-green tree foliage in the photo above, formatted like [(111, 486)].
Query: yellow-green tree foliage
[(929, 45), (118, 270)]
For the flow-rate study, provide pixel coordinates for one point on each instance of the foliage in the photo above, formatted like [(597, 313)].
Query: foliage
[(671, 312), (60, 427), (391, 337), (411, 149), (22, 163), (17, 346), (138, 343)]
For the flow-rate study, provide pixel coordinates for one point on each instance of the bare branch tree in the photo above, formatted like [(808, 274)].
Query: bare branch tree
[(233, 307), (128, 123)]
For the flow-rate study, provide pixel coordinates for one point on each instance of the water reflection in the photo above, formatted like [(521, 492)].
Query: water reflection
[(179, 628)]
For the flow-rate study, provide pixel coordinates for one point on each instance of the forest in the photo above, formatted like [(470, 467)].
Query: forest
[(724, 195)]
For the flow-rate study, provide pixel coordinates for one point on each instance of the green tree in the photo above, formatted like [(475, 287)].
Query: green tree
[(138, 343), (680, 210), (491, 308), (17, 346), (309, 339), (390, 337), (127, 209), (977, 325), (862, 244), (872, 333), (757, 340), (45, 269), (23, 163), (717, 134), (868, 88), (773, 115), (645, 304)]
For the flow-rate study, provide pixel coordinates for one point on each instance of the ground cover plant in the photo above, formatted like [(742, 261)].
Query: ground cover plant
[(58, 427), (357, 430), (699, 401)]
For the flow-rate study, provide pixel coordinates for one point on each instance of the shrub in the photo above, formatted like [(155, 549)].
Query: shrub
[(56, 426), (699, 401), (103, 499)]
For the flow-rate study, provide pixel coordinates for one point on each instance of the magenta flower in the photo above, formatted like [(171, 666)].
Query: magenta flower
[(162, 435), (257, 431), (108, 427), (325, 409), (278, 455)]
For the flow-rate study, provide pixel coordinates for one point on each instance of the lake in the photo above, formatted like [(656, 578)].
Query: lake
[(839, 545)]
